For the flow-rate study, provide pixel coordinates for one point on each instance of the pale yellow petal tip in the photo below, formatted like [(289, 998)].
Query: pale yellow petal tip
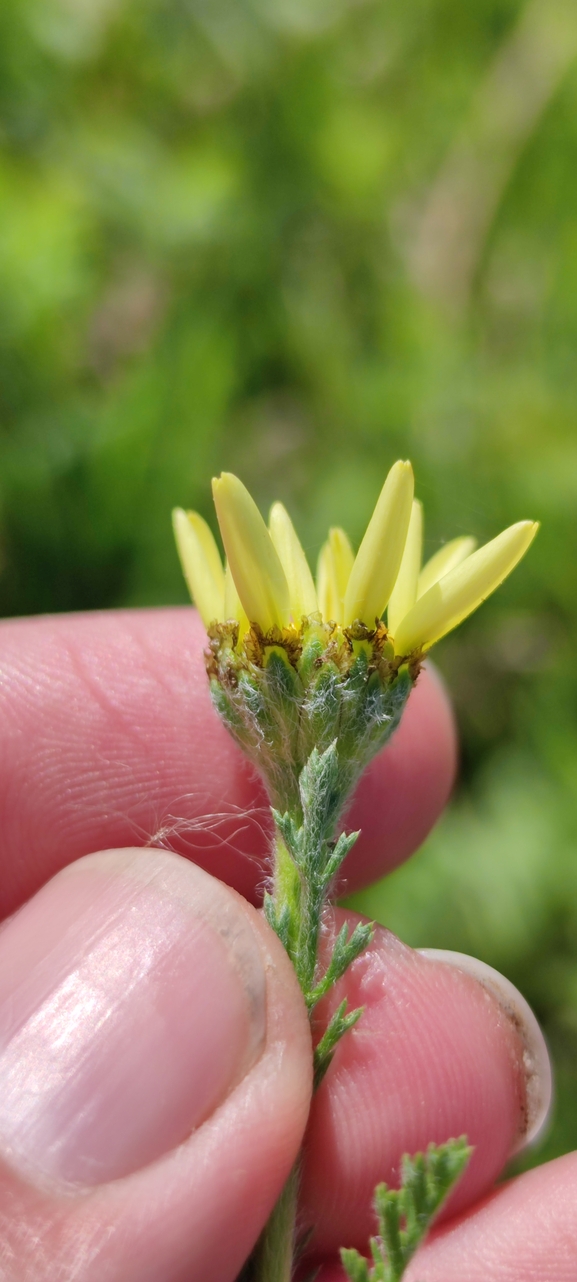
[(378, 559), (302, 592), (222, 481), (459, 592), (201, 564), (256, 569), (404, 593), (401, 471), (277, 511), (527, 528), (180, 525), (228, 484)]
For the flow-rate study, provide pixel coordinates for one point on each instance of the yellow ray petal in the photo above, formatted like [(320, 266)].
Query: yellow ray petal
[(334, 566), (460, 591), (378, 559), (201, 564), (232, 603), (447, 558), (404, 593), (257, 572), (326, 585), (343, 559), (302, 592)]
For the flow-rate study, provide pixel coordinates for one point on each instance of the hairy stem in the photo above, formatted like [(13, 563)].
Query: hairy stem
[(305, 860), (275, 1251)]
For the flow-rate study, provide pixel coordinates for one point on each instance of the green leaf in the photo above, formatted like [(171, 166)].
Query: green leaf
[(405, 1215), (355, 1266), (345, 950), (340, 1024)]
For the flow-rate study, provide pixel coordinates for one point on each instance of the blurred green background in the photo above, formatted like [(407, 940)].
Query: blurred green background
[(297, 239)]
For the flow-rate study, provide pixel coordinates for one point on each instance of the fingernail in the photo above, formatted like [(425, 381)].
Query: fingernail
[(132, 1000), (535, 1056)]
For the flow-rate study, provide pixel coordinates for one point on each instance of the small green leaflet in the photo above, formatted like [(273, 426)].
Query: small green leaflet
[(405, 1215)]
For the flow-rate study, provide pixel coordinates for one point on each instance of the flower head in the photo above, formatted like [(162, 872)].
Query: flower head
[(268, 586), (297, 666)]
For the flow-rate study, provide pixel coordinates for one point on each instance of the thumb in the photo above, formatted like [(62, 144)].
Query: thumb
[(155, 1075)]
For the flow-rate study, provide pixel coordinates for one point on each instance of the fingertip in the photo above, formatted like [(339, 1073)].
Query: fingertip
[(155, 1063), (434, 1056), (108, 738), (524, 1231), (536, 1061)]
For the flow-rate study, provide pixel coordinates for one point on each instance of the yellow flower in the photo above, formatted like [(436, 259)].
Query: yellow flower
[(449, 556), (378, 559), (267, 581), (336, 559), (404, 593), (302, 591), (201, 564), (255, 566), (457, 593)]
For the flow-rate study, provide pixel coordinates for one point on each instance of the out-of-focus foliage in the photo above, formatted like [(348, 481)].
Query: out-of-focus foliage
[(297, 239)]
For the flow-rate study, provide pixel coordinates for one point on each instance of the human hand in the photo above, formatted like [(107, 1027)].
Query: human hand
[(154, 1051)]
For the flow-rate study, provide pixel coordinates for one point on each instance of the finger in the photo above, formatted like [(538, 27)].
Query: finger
[(154, 1075), (436, 1054), (526, 1231), (108, 738)]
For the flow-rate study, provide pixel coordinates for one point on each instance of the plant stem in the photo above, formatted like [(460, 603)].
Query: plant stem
[(275, 1251), (305, 860)]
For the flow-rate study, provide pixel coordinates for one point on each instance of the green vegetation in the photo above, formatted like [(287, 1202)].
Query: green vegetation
[(299, 239), (405, 1215)]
